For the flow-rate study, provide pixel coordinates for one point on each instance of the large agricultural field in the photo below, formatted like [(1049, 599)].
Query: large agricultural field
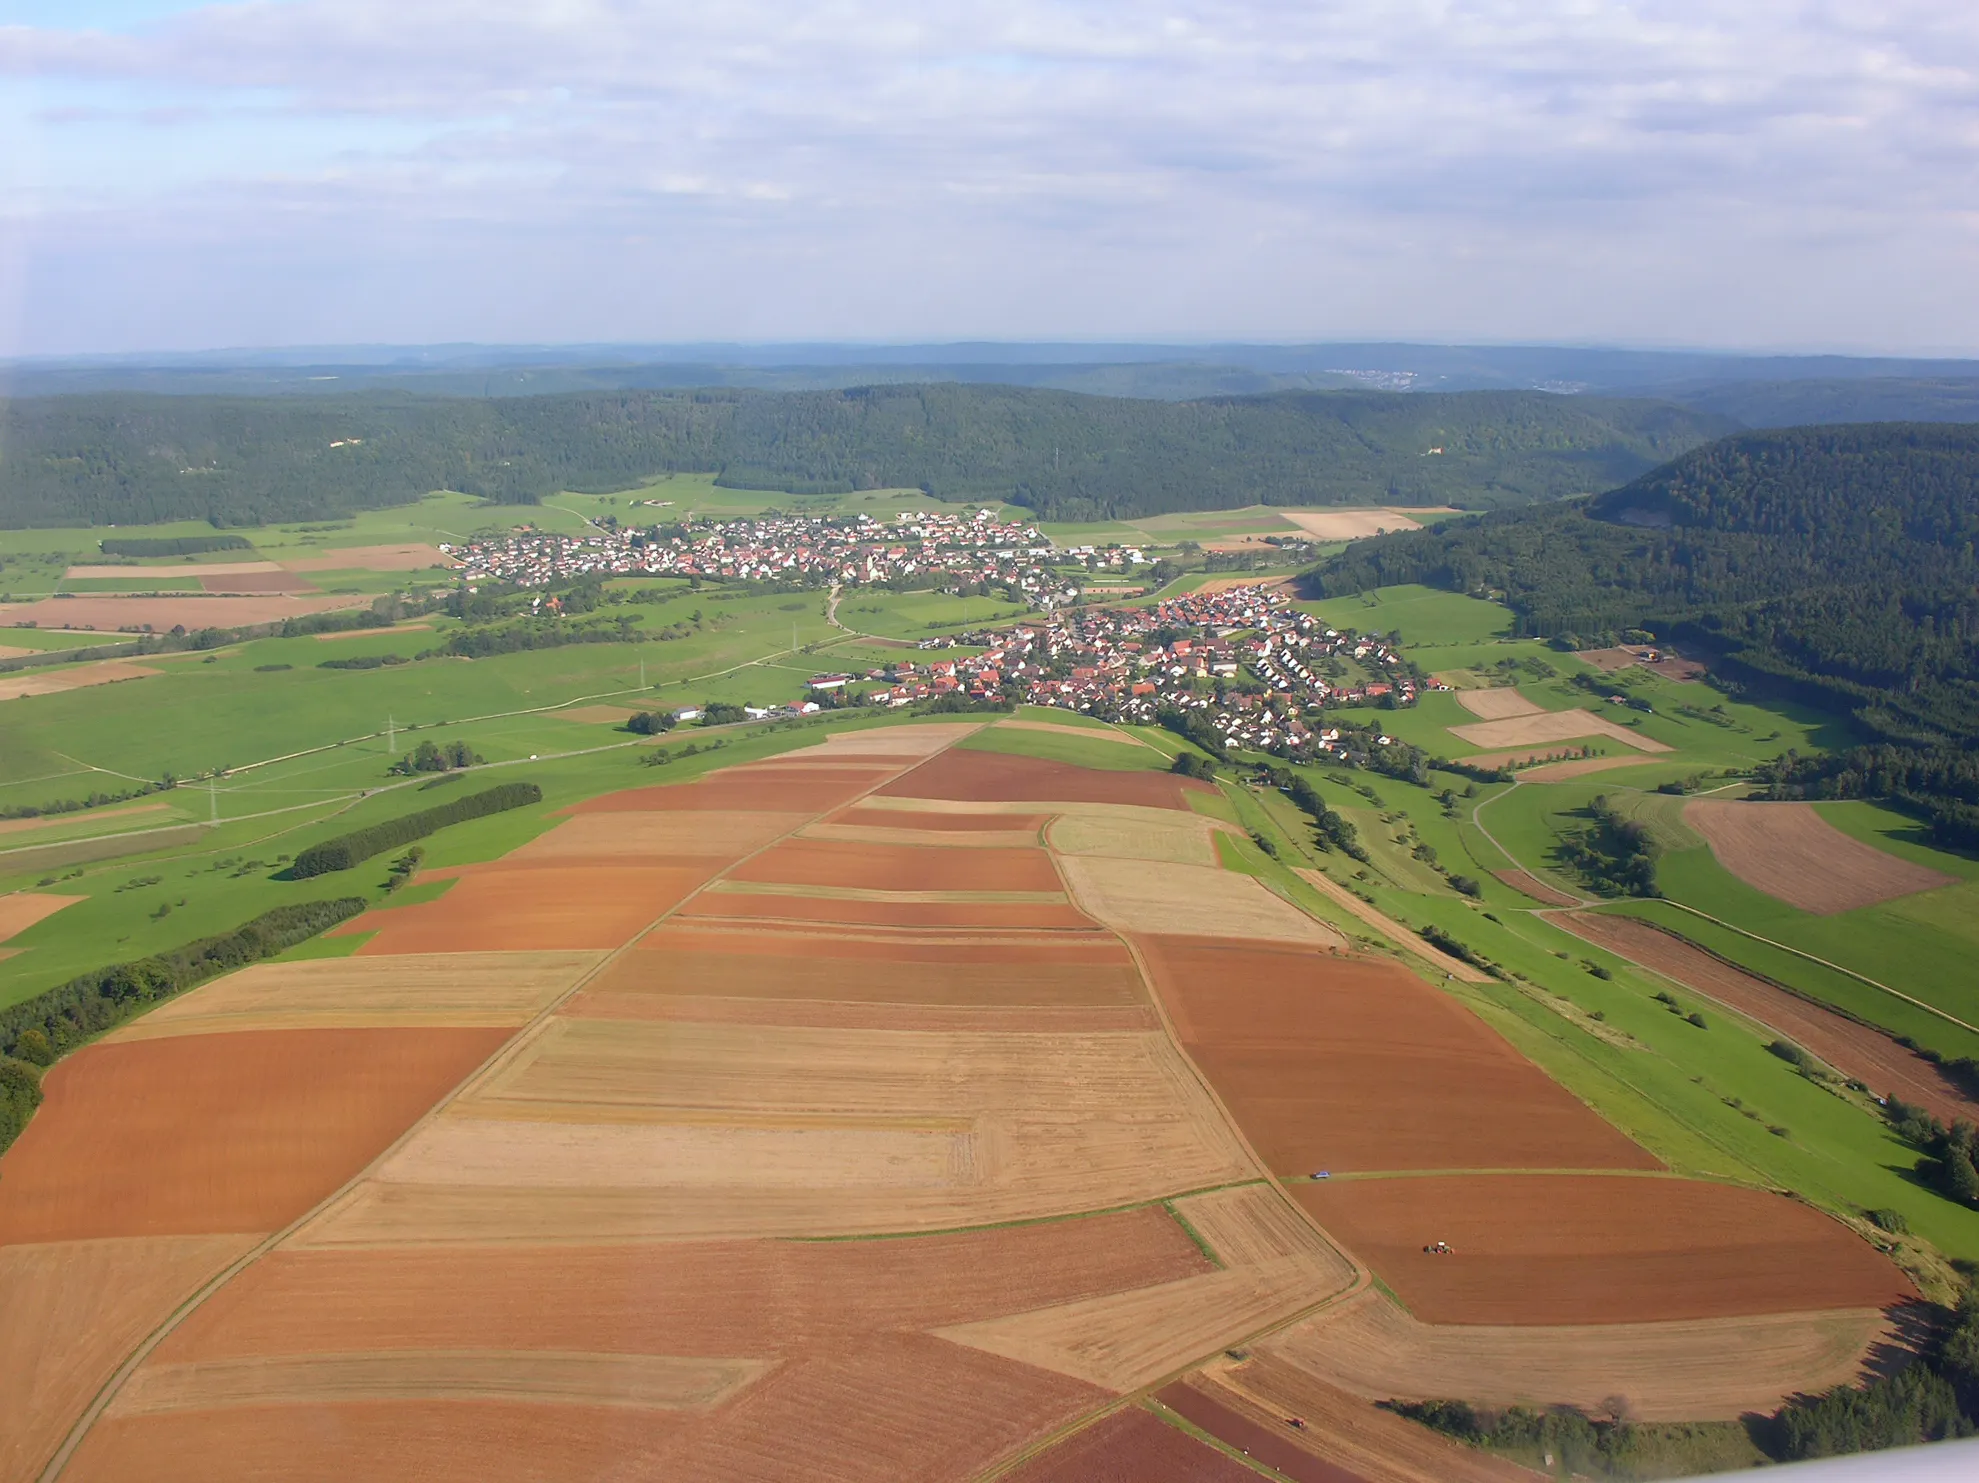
[(851, 1101)]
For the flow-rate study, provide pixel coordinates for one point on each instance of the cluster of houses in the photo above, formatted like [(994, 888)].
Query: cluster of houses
[(1244, 659), (854, 550)]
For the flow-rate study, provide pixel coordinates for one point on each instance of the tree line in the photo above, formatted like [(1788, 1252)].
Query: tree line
[(240, 461), (345, 850)]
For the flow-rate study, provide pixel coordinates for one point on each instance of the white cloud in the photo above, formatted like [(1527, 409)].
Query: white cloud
[(1772, 171)]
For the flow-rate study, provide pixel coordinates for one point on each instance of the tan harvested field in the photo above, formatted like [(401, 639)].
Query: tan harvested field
[(69, 1313), (1128, 833), (1853, 1049), (55, 821), (723, 834), (839, 1014), (671, 967), (1131, 1446), (791, 789), (1088, 733), (1393, 930), (1552, 726), (709, 1298), (255, 583), (1497, 704), (546, 908), (263, 1125), (1363, 1442), (978, 1128), (546, 1377), (1705, 1369), (887, 742), (23, 909), (964, 775), (1152, 896), (1579, 767), (431, 1441), (1349, 525), (896, 868), (31, 683), (1300, 1045), (1272, 1266), (163, 613), (409, 557), (340, 993), (887, 814), (1551, 1249), (952, 839), (187, 569), (1794, 855), (875, 910), (1531, 885)]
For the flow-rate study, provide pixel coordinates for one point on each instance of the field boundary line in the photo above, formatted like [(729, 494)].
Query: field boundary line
[(503, 1055)]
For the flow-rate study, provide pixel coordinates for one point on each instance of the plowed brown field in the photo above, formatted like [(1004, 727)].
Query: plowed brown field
[(533, 909), (1700, 1370), (836, 1014), (658, 835), (1131, 1446), (1268, 1445), (432, 1441), (895, 818), (404, 558), (261, 1126), (1303, 1048), (712, 1298), (970, 776), (1794, 855), (1039, 949), (817, 862), (886, 913), (69, 1313), (1854, 1050), (1570, 1249), (930, 977), (23, 909), (1532, 886)]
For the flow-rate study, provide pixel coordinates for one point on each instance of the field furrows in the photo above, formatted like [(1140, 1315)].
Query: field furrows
[(533, 909), (1552, 726), (967, 776), (1695, 1370), (1131, 833), (873, 909), (1131, 1445), (950, 839), (1136, 896), (894, 868), (727, 834)]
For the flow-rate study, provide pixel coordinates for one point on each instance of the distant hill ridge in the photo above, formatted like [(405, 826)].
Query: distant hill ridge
[(132, 458), (1837, 562)]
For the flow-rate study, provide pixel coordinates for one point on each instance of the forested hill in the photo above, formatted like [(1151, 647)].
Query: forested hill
[(136, 459), (1836, 561)]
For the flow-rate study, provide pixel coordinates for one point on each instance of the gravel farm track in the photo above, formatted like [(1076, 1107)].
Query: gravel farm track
[(892, 1109)]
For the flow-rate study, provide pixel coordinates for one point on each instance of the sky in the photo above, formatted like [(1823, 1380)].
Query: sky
[(1763, 174)]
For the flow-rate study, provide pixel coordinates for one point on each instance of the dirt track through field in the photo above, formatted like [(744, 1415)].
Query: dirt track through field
[(1393, 930), (1794, 855), (1855, 1050)]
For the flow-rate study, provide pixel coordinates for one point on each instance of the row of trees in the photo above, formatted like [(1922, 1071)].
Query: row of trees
[(345, 850)]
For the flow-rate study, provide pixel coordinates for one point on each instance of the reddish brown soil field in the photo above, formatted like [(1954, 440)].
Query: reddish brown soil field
[(1131, 1446), (900, 1409), (538, 907), (866, 867), (783, 790), (257, 582), (1567, 1248), (929, 979), (200, 1133), (838, 1015), (1794, 855), (1855, 1050), (1274, 1448), (432, 1441), (405, 558), (887, 913), (1531, 885), (1041, 949), (900, 818), (712, 1298), (969, 776), (1348, 1065)]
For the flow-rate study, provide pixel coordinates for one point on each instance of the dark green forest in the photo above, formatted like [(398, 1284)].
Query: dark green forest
[(1834, 565), (139, 459)]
